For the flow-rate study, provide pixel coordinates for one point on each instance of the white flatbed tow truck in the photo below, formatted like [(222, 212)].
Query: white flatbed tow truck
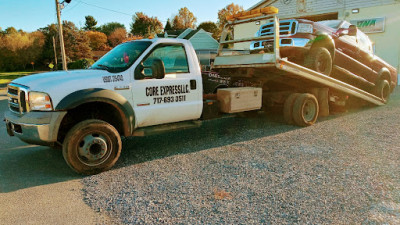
[(150, 86)]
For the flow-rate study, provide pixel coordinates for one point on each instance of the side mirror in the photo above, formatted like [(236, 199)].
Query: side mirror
[(353, 30), (342, 31), (158, 69), (139, 72)]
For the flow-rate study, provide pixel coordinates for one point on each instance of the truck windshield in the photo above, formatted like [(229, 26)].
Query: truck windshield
[(121, 57), (331, 23)]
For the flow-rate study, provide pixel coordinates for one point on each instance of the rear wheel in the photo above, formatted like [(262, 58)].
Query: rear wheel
[(92, 146), (305, 110), (320, 60), (382, 90), (288, 108)]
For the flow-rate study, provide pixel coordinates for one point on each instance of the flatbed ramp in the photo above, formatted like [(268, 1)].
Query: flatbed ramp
[(327, 81)]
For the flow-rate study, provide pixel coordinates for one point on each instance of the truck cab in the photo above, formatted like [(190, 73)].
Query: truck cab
[(137, 84)]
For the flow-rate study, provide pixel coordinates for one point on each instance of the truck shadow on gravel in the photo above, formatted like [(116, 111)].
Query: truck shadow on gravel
[(31, 166), (24, 166), (211, 134)]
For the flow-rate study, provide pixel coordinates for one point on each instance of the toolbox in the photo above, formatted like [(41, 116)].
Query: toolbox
[(241, 99)]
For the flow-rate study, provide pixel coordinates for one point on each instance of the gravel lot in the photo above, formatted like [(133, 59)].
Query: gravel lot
[(343, 170)]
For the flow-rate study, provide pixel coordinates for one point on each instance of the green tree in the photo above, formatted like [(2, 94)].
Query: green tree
[(184, 19), (168, 26), (108, 28), (145, 26), (210, 27), (11, 30), (90, 23), (77, 43)]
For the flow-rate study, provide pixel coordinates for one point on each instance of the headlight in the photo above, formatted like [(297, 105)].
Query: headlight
[(40, 101), (305, 28)]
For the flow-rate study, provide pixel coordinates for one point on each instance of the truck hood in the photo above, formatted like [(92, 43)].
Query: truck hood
[(47, 81), (60, 84)]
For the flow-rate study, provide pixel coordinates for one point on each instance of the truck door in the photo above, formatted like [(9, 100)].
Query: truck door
[(175, 97), (366, 57), (347, 52)]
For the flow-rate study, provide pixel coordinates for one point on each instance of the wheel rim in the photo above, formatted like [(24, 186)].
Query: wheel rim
[(93, 149), (321, 63), (309, 110)]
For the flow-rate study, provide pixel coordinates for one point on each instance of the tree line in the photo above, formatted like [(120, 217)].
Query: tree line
[(20, 51)]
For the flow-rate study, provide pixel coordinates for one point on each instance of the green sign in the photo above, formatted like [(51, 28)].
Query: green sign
[(374, 25)]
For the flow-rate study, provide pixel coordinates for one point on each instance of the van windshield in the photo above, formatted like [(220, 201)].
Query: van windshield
[(121, 57)]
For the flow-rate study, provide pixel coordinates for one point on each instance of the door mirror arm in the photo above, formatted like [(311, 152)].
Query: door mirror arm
[(158, 69), (139, 72)]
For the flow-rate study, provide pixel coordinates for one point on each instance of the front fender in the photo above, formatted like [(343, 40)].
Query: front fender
[(78, 98), (323, 39)]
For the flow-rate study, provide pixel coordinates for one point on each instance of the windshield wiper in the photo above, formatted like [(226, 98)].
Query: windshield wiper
[(102, 67)]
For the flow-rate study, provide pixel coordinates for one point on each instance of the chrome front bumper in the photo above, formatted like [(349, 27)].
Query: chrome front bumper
[(39, 128), (284, 42)]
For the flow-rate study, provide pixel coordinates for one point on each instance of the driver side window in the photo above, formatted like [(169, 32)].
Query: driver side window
[(173, 56), (365, 43)]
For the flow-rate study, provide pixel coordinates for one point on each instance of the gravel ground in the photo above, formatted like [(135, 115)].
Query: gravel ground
[(343, 170)]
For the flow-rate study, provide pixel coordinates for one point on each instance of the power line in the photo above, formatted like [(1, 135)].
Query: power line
[(111, 10), (69, 9), (105, 8)]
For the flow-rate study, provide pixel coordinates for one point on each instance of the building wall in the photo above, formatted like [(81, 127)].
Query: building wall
[(387, 43)]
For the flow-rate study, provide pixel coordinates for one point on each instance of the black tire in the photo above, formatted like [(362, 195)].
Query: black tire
[(92, 146), (320, 60), (288, 108), (305, 110), (382, 90)]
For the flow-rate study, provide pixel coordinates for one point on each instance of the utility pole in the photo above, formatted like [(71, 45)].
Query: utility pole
[(60, 30), (55, 52)]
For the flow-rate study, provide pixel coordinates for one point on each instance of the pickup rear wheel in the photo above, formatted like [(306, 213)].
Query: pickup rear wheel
[(320, 60), (305, 110), (92, 146), (382, 90)]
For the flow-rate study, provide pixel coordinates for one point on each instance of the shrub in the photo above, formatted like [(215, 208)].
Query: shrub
[(80, 64)]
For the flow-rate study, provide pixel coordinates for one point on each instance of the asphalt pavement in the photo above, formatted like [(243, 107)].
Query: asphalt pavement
[(36, 185)]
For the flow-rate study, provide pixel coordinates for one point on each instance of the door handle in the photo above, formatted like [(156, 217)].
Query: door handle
[(193, 84)]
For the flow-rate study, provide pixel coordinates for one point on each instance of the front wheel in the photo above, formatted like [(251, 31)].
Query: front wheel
[(382, 90), (320, 60), (92, 146)]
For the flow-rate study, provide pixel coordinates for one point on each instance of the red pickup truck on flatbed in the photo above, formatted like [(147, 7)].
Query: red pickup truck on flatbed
[(333, 47)]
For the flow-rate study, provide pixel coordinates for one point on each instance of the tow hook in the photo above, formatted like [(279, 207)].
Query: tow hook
[(9, 128)]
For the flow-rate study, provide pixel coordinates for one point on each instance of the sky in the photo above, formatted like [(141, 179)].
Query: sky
[(30, 15)]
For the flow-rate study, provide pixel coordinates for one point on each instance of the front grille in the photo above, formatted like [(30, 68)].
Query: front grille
[(286, 28), (17, 98)]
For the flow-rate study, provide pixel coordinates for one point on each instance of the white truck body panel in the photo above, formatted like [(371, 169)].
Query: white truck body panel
[(149, 110)]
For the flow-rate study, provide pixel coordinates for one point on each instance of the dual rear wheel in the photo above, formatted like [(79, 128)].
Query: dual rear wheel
[(301, 109)]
